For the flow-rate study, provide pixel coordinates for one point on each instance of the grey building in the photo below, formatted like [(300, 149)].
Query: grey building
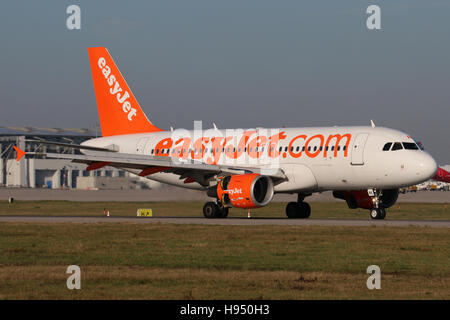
[(35, 171)]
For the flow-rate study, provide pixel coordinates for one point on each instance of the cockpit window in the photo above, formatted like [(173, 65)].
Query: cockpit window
[(397, 146), (387, 146), (410, 146)]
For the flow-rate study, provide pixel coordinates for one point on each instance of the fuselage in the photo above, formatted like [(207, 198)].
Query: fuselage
[(312, 159)]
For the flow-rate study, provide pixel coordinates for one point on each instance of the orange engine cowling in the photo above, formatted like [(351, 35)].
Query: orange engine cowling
[(245, 190), (361, 199)]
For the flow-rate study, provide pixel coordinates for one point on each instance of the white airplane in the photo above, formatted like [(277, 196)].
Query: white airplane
[(363, 165)]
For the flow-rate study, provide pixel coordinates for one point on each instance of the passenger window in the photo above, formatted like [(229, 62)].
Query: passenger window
[(397, 146), (410, 146), (387, 146)]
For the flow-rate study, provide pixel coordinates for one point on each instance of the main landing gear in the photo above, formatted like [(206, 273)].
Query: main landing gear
[(299, 209), (214, 210)]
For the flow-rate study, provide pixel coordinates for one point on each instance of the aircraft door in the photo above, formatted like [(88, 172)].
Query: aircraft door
[(141, 144), (148, 147), (358, 149)]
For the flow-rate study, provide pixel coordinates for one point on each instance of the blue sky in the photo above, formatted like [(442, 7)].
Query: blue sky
[(239, 63)]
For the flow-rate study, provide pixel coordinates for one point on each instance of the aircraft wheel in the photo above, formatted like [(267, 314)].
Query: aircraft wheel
[(383, 213), (211, 210), (305, 210), (291, 210), (223, 212), (300, 210), (378, 213)]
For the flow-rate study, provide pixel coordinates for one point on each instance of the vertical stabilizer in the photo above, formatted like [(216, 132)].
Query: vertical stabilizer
[(118, 109)]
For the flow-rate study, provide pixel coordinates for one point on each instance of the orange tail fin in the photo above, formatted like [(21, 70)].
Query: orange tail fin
[(118, 109)]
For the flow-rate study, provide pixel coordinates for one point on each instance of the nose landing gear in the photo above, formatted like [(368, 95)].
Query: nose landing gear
[(378, 211)]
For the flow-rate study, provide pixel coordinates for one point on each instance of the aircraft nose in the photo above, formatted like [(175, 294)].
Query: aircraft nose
[(427, 166)]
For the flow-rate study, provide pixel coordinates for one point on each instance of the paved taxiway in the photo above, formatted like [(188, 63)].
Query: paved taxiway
[(231, 221), (177, 194)]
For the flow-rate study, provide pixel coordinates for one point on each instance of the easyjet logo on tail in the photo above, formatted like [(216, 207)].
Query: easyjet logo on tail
[(122, 97)]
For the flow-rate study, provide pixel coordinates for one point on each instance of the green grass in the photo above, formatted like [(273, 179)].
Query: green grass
[(338, 210), (165, 261)]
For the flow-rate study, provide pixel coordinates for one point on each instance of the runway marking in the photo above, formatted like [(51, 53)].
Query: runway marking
[(229, 221)]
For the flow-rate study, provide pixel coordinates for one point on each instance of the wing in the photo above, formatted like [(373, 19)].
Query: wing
[(111, 148), (190, 170)]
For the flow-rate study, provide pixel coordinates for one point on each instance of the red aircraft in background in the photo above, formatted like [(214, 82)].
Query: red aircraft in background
[(442, 175)]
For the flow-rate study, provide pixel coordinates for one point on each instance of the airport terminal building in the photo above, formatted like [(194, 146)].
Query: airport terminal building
[(35, 171)]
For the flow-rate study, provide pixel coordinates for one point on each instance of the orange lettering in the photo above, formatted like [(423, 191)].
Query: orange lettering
[(338, 140), (163, 144), (292, 153), (315, 153)]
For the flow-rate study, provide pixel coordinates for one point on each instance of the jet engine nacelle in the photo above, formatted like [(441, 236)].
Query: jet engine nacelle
[(361, 199), (244, 190)]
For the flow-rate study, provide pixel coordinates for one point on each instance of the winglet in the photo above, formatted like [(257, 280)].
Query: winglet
[(20, 153), (372, 123)]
